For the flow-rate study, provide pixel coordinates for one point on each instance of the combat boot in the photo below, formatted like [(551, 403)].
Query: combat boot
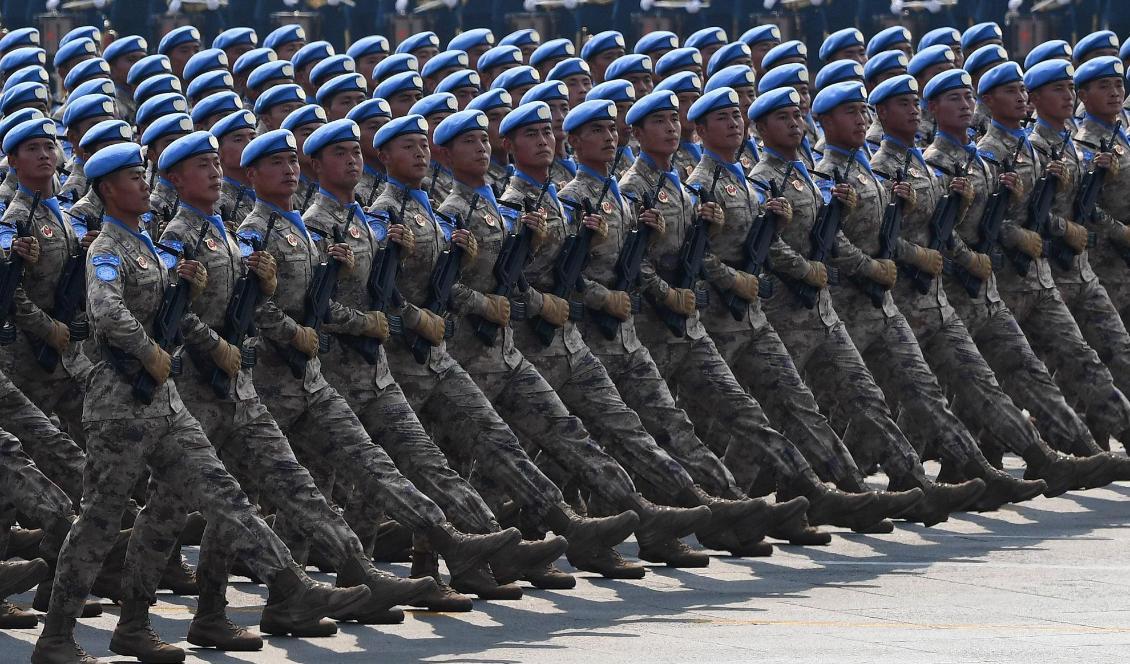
[(1000, 487), (1060, 472), (24, 543), (550, 577), (134, 636), (738, 522), (606, 562), (296, 605), (830, 506), (799, 532), (393, 543), (941, 499), (462, 551), (18, 576), (672, 552), (57, 645), (386, 592), (13, 617), (444, 598), (1101, 469), (728, 541), (211, 628), (480, 582), (657, 522), (514, 562), (179, 577), (584, 533)]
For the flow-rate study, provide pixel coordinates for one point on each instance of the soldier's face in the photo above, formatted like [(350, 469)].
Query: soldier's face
[(198, 180), (423, 55), (1054, 101), (119, 68), (339, 165), (958, 57), (179, 56), (686, 99), (468, 152), (407, 157), (494, 121), (402, 101), (276, 114), (953, 109), (342, 103), (35, 159), (601, 60), (366, 63), (782, 129), (558, 109), (746, 95), (931, 72), (1008, 102), (533, 146), (1103, 97), (757, 53), (301, 133), (368, 132), (642, 83), (578, 86), (805, 93), (708, 52), (856, 53), (622, 127), (723, 130), (127, 191), (275, 177), (231, 147), (286, 51), (464, 96), (234, 52), (845, 125), (595, 141), (900, 115), (658, 133)]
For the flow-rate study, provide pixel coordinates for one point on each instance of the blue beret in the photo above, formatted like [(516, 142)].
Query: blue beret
[(1124, 52), (712, 36), (784, 76), (944, 36), (223, 102), (526, 114), (615, 91), (888, 39), (408, 124), (177, 36), (241, 119), (84, 108), (1056, 48), (86, 70), (840, 39), (946, 81), (546, 91), (789, 50), (158, 105), (981, 32), (270, 71), (734, 76), (167, 125), (35, 74), (27, 130), (22, 93), (13, 119), (523, 37), (284, 35), (124, 45), (492, 99), (1002, 74), (331, 67), (884, 62), (838, 72), (25, 56), (1050, 71), (210, 59), (74, 49), (105, 132), (1094, 42), (440, 102), (338, 131), (247, 62), (660, 40), (370, 108), (19, 37), (989, 55), (311, 53), (95, 86), (418, 41), (82, 32), (113, 158), (213, 80), (308, 114), (726, 56), (771, 101), (653, 102), (272, 142), (929, 57), (445, 60), (465, 41), (344, 83), (632, 63), (501, 55), (235, 37), (570, 67), (684, 81), (589, 111), (761, 33), (198, 142), (517, 77), (371, 45), (155, 85), (715, 100), (150, 65), (903, 84), (600, 42), (465, 78), (1106, 66), (837, 94), (408, 80), (552, 49), (280, 94), (460, 123), (677, 59), (397, 63)]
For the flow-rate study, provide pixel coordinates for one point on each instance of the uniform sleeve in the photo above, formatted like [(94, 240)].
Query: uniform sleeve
[(26, 315), (107, 307)]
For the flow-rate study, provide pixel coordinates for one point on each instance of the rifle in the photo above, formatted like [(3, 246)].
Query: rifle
[(508, 266), (1085, 205), (319, 294), (308, 195), (230, 216), (239, 318), (1039, 213), (11, 273), (755, 249), (822, 241), (691, 255), (889, 232), (942, 223)]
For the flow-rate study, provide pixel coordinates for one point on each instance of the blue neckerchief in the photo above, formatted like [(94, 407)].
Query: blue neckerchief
[(140, 235), (671, 174), (969, 146), (487, 194), (418, 195), (358, 211), (1063, 133), (1018, 134), (1121, 130), (381, 177), (693, 148), (735, 168), (629, 156), (213, 219), (613, 186), (798, 165), (904, 147), (569, 164), (551, 191), (294, 217), (749, 146), (859, 156), (51, 203), (248, 192), (807, 147)]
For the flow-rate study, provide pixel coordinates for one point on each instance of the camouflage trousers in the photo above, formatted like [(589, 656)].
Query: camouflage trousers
[(1076, 367), (28, 490), (178, 455), (1102, 326), (55, 452), (59, 393)]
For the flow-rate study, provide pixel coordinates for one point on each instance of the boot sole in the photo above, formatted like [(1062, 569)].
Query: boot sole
[(228, 646), (313, 630)]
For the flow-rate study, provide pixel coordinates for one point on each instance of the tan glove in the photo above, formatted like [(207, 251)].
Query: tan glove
[(466, 240), (910, 200), (226, 357), (375, 325), (59, 336), (196, 275), (680, 300), (746, 286), (817, 274), (554, 310), (980, 266), (264, 266), (431, 327), (157, 363), (713, 213), (27, 248), (306, 340), (618, 305), (496, 309), (1030, 243), (883, 271), (927, 260), (1075, 236)]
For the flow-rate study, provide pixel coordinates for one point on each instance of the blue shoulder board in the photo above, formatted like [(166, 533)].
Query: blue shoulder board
[(79, 224), (314, 235), (169, 260)]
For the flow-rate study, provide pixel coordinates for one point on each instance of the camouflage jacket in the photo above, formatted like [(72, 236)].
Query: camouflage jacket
[(1113, 211), (74, 186), (1045, 139), (229, 194), (438, 184), (163, 204)]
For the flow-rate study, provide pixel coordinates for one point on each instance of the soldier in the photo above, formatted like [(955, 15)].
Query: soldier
[(548, 54), (635, 69), (687, 87), (654, 45), (125, 280), (495, 104), (285, 40), (401, 91), (517, 81), (234, 42), (158, 135), (497, 60), (302, 122), (210, 110), (927, 63), (623, 95), (555, 95), (274, 105), (304, 60), (740, 79), (80, 115), (370, 115), (795, 76), (434, 108), (423, 46), (574, 73), (464, 84), (978, 64), (599, 51), (179, 45), (526, 39), (237, 197), (440, 66)]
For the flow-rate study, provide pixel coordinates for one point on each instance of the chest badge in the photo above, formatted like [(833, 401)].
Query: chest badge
[(797, 185), (142, 262), (211, 244), (663, 197), (47, 231), (731, 189), (689, 169), (606, 207), (291, 239), (914, 172), (862, 177), (419, 219), (1119, 150), (490, 220), (746, 162), (354, 233)]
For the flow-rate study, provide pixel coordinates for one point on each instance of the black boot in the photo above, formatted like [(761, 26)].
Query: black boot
[(211, 628), (296, 604), (135, 637)]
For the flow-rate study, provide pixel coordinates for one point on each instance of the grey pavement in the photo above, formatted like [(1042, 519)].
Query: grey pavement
[(1046, 581)]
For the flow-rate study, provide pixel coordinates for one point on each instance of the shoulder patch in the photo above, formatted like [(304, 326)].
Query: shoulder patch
[(987, 155), (245, 238), (7, 237), (378, 224), (826, 187), (106, 266), (167, 259)]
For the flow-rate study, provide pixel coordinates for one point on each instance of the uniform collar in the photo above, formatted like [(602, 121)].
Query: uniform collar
[(141, 236)]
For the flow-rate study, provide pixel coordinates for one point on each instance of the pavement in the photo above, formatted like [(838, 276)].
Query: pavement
[(1046, 581)]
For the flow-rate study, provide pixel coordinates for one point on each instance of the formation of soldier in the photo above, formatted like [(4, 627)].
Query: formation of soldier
[(506, 301)]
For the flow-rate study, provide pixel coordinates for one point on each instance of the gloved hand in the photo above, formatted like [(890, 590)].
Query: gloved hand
[(466, 239), (847, 194), (713, 213), (157, 363), (927, 260), (431, 327), (782, 208), (403, 236), (27, 248), (906, 192), (59, 336), (746, 286), (264, 266), (306, 340), (554, 310), (1030, 243), (680, 300), (618, 305), (496, 309), (344, 254), (980, 266), (817, 274), (226, 357), (195, 274), (882, 271), (1075, 236), (375, 325), (598, 225)]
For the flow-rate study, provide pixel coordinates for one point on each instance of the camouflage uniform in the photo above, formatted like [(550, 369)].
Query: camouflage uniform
[(498, 175), (298, 201), (229, 194), (981, 119), (686, 158), (162, 204), (8, 187), (75, 185), (127, 108), (562, 169), (439, 183), (372, 181)]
